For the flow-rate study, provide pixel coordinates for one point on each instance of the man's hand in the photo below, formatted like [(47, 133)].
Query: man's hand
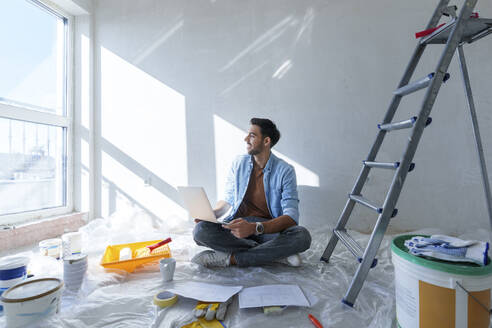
[(197, 220), (241, 228)]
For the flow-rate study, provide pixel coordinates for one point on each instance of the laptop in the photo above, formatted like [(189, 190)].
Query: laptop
[(196, 202)]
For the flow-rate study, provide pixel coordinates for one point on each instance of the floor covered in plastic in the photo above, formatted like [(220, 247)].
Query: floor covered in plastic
[(119, 299)]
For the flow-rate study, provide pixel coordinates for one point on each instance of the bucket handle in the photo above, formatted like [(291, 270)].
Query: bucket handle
[(474, 298)]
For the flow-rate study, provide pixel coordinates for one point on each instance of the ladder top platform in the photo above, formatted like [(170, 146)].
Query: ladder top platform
[(473, 27)]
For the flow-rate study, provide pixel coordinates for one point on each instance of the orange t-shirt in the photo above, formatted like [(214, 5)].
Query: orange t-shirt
[(254, 202)]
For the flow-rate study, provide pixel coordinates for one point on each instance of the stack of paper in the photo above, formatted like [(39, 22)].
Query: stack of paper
[(272, 295)]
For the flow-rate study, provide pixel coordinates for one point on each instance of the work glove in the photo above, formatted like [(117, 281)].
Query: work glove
[(211, 310)]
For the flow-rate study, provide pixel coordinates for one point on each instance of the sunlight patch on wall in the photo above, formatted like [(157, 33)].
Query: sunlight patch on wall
[(229, 144), (305, 177), (123, 188), (149, 50), (243, 78), (282, 70), (306, 25), (144, 119), (262, 41)]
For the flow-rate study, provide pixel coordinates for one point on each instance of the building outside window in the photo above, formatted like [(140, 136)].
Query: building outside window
[(35, 111)]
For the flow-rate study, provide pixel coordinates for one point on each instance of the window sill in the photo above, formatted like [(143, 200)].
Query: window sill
[(32, 232)]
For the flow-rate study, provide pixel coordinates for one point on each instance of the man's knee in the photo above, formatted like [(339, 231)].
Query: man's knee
[(302, 237), (202, 230)]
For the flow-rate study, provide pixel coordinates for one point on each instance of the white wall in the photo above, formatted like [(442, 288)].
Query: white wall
[(176, 83)]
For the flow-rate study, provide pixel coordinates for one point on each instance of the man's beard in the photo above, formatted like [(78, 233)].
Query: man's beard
[(255, 151)]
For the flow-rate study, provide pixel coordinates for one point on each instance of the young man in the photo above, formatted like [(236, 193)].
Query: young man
[(263, 225)]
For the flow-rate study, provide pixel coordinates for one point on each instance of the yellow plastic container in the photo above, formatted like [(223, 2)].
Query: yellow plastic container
[(111, 257)]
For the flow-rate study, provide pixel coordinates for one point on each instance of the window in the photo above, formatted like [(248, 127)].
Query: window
[(35, 111)]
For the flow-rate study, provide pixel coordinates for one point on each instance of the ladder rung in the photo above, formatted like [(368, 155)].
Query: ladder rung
[(381, 165), (361, 200), (398, 125), (352, 245), (417, 85), (403, 124), (391, 166)]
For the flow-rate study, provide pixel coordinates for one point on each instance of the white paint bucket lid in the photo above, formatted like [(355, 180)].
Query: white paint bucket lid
[(13, 262), (31, 289)]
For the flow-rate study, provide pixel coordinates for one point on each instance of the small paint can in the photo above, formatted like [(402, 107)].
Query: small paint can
[(51, 247)]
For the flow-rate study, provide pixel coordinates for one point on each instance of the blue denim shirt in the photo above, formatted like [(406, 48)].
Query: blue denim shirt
[(279, 180)]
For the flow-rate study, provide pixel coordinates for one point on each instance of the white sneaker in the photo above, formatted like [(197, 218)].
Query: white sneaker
[(212, 259), (293, 260)]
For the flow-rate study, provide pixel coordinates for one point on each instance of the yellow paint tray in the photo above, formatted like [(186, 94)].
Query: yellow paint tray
[(111, 257)]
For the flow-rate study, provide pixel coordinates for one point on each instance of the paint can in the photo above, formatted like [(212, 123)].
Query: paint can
[(51, 247), (13, 269), (74, 270), (433, 293), (30, 301)]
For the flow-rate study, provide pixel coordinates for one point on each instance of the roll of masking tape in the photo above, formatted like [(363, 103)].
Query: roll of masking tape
[(165, 299)]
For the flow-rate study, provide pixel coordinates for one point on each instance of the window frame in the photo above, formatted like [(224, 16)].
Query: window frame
[(26, 113)]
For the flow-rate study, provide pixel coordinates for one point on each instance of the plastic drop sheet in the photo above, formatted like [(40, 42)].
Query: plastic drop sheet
[(119, 299)]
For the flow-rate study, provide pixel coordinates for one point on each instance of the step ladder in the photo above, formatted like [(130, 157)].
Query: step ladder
[(461, 28)]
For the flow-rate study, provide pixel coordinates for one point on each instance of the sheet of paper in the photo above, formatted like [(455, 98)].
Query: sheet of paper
[(272, 295), (205, 292)]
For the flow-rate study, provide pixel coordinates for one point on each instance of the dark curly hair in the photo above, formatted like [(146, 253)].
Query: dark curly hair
[(267, 128)]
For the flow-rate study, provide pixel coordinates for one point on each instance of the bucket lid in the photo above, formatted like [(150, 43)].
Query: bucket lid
[(31, 289), (13, 262), (467, 269)]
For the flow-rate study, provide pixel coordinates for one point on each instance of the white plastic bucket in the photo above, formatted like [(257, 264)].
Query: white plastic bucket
[(31, 300), (72, 243), (13, 269), (428, 292), (74, 269)]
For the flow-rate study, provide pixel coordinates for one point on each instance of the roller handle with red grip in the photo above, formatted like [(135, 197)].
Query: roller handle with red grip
[(159, 244)]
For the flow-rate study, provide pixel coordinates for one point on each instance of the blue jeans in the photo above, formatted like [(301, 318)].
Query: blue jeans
[(254, 250)]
